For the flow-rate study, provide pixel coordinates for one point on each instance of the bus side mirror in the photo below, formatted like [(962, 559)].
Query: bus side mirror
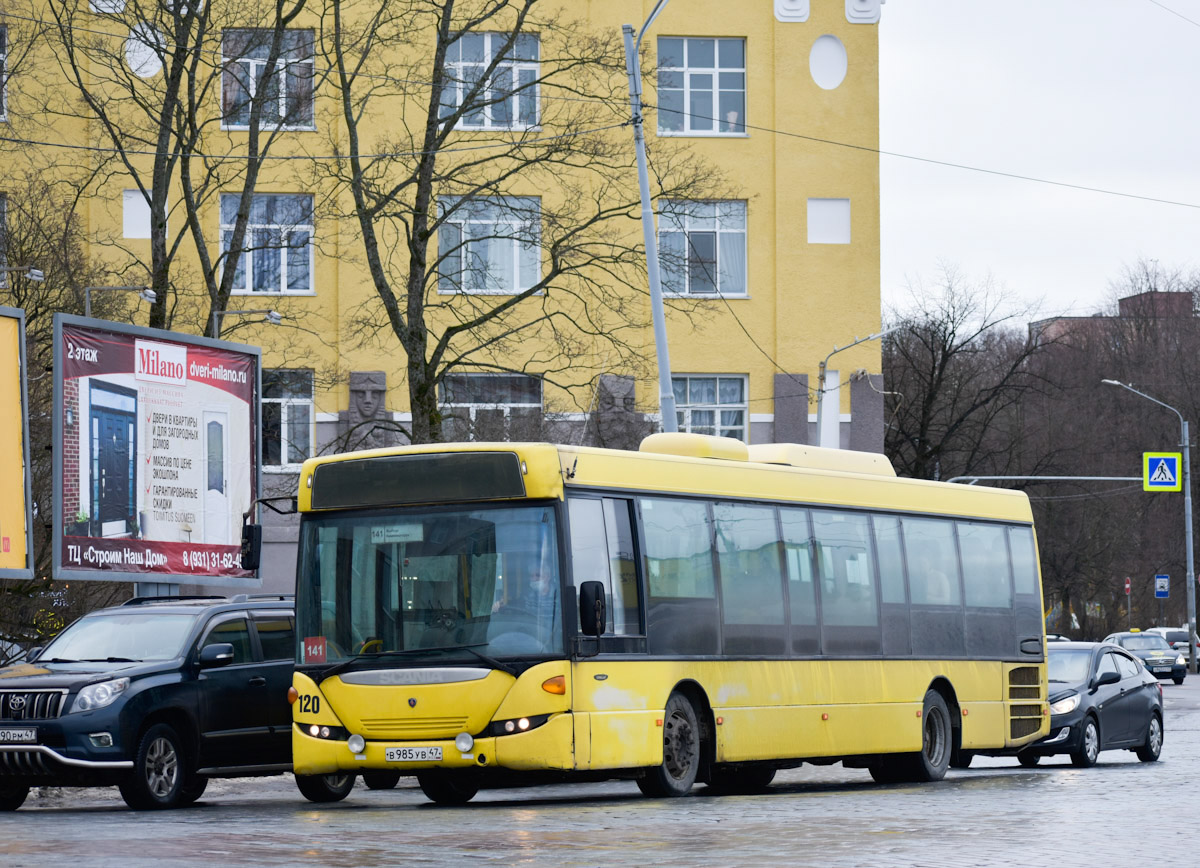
[(251, 546), (592, 616)]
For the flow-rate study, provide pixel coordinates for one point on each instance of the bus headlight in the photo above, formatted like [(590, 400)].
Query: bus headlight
[(464, 742), (517, 724), (356, 743)]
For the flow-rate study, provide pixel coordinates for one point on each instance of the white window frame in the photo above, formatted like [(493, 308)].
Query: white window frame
[(283, 251), (283, 66), (469, 232), (726, 220), (286, 406), (684, 79), (506, 407), (685, 409), (474, 52)]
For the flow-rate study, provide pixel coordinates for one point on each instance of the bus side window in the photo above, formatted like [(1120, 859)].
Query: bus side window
[(1024, 561), (602, 551), (985, 565)]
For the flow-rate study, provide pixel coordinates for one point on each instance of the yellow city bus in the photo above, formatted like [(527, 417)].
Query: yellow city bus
[(496, 614)]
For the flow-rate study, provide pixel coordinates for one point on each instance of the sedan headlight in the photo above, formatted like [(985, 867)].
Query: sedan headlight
[(99, 695), (1065, 705), (1179, 661)]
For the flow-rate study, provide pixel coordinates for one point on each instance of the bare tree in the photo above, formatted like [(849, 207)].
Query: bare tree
[(177, 102), (955, 370), (507, 138)]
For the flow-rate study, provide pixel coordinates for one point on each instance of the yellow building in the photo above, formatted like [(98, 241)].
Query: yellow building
[(768, 112)]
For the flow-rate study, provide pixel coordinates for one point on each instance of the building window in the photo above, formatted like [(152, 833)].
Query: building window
[(287, 418), (277, 252), (288, 102), (702, 246), (489, 244), (509, 101), (702, 86), (708, 404), (491, 406)]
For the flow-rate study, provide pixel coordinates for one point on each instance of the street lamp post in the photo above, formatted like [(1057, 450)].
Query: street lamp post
[(270, 316), (821, 382), (666, 391), (144, 292), (1187, 519)]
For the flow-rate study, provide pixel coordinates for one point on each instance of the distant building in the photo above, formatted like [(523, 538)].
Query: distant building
[(1143, 305)]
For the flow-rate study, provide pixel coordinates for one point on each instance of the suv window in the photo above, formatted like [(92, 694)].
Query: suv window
[(276, 636), (236, 632)]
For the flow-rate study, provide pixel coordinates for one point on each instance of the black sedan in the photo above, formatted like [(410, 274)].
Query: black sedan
[(1155, 652), (1101, 698)]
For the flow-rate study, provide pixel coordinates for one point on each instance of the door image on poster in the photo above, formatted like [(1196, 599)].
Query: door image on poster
[(114, 445), (216, 499)]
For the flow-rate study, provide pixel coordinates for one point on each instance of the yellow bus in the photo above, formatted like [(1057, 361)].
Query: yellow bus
[(498, 614)]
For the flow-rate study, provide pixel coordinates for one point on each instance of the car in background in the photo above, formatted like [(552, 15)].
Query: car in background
[(155, 696), (1101, 698), (1057, 637), (1177, 637), (1152, 649)]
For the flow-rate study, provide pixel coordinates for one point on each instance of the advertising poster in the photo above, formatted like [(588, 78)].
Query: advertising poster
[(157, 451), (15, 503)]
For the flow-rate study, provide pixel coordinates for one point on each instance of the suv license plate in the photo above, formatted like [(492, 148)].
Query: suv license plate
[(412, 754), (23, 735)]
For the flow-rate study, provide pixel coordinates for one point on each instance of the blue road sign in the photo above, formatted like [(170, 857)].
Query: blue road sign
[(1162, 586), (1160, 471)]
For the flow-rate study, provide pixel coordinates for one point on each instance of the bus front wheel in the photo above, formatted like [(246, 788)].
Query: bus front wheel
[(681, 752), (325, 788), (446, 788)]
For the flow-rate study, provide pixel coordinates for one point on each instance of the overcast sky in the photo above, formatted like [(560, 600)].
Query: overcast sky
[(1095, 93)]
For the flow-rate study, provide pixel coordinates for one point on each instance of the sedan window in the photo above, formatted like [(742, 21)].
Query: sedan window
[(1145, 642), (1129, 668), (1108, 664), (1069, 666)]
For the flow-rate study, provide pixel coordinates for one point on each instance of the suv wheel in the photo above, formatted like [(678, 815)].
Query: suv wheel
[(12, 796), (158, 777)]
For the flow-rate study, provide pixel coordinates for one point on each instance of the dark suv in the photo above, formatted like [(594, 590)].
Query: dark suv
[(155, 696)]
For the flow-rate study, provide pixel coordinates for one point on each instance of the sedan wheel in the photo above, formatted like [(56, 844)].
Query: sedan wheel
[(1149, 751), (1089, 745)]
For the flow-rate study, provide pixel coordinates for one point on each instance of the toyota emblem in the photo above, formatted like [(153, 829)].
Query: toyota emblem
[(16, 703), (412, 703)]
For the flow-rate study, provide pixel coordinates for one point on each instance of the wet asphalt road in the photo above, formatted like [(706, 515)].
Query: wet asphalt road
[(1121, 812)]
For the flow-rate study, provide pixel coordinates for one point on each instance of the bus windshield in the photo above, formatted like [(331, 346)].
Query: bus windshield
[(421, 584)]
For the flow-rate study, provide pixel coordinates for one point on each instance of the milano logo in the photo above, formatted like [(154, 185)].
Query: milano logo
[(160, 363)]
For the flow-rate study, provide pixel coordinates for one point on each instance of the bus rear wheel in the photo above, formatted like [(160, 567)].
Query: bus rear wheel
[(932, 760), (681, 752)]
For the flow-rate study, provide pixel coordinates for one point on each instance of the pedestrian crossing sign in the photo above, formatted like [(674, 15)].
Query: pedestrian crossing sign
[(1160, 471)]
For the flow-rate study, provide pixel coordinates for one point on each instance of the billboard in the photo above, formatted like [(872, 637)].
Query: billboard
[(156, 453), (16, 501)]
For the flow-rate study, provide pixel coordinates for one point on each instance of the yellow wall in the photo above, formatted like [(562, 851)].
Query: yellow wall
[(13, 551)]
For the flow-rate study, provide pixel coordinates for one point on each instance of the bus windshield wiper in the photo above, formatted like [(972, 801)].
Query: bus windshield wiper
[(408, 652)]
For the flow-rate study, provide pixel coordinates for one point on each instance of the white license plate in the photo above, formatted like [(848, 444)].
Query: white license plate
[(23, 735), (1162, 668), (412, 754)]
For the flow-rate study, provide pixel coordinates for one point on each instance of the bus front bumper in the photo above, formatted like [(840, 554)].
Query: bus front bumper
[(549, 746)]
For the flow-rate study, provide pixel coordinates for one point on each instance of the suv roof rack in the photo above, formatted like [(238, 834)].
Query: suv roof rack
[(245, 598), (137, 601)]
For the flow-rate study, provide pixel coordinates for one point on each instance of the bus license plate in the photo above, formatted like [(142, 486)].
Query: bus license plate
[(22, 735), (412, 754)]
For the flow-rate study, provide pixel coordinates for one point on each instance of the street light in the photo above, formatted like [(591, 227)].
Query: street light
[(270, 316), (821, 382), (145, 293), (1187, 519), (666, 391), (29, 271)]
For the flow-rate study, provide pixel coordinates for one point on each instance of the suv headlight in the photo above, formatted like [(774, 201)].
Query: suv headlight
[(1065, 705), (99, 695)]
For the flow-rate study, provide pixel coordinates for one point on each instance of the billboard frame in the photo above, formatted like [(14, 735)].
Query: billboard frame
[(59, 526), (28, 572)]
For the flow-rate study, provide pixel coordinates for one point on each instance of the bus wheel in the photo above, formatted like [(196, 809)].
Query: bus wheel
[(681, 752), (889, 769), (933, 760), (325, 788), (961, 759), (754, 779), (447, 789), (380, 779), (12, 796)]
